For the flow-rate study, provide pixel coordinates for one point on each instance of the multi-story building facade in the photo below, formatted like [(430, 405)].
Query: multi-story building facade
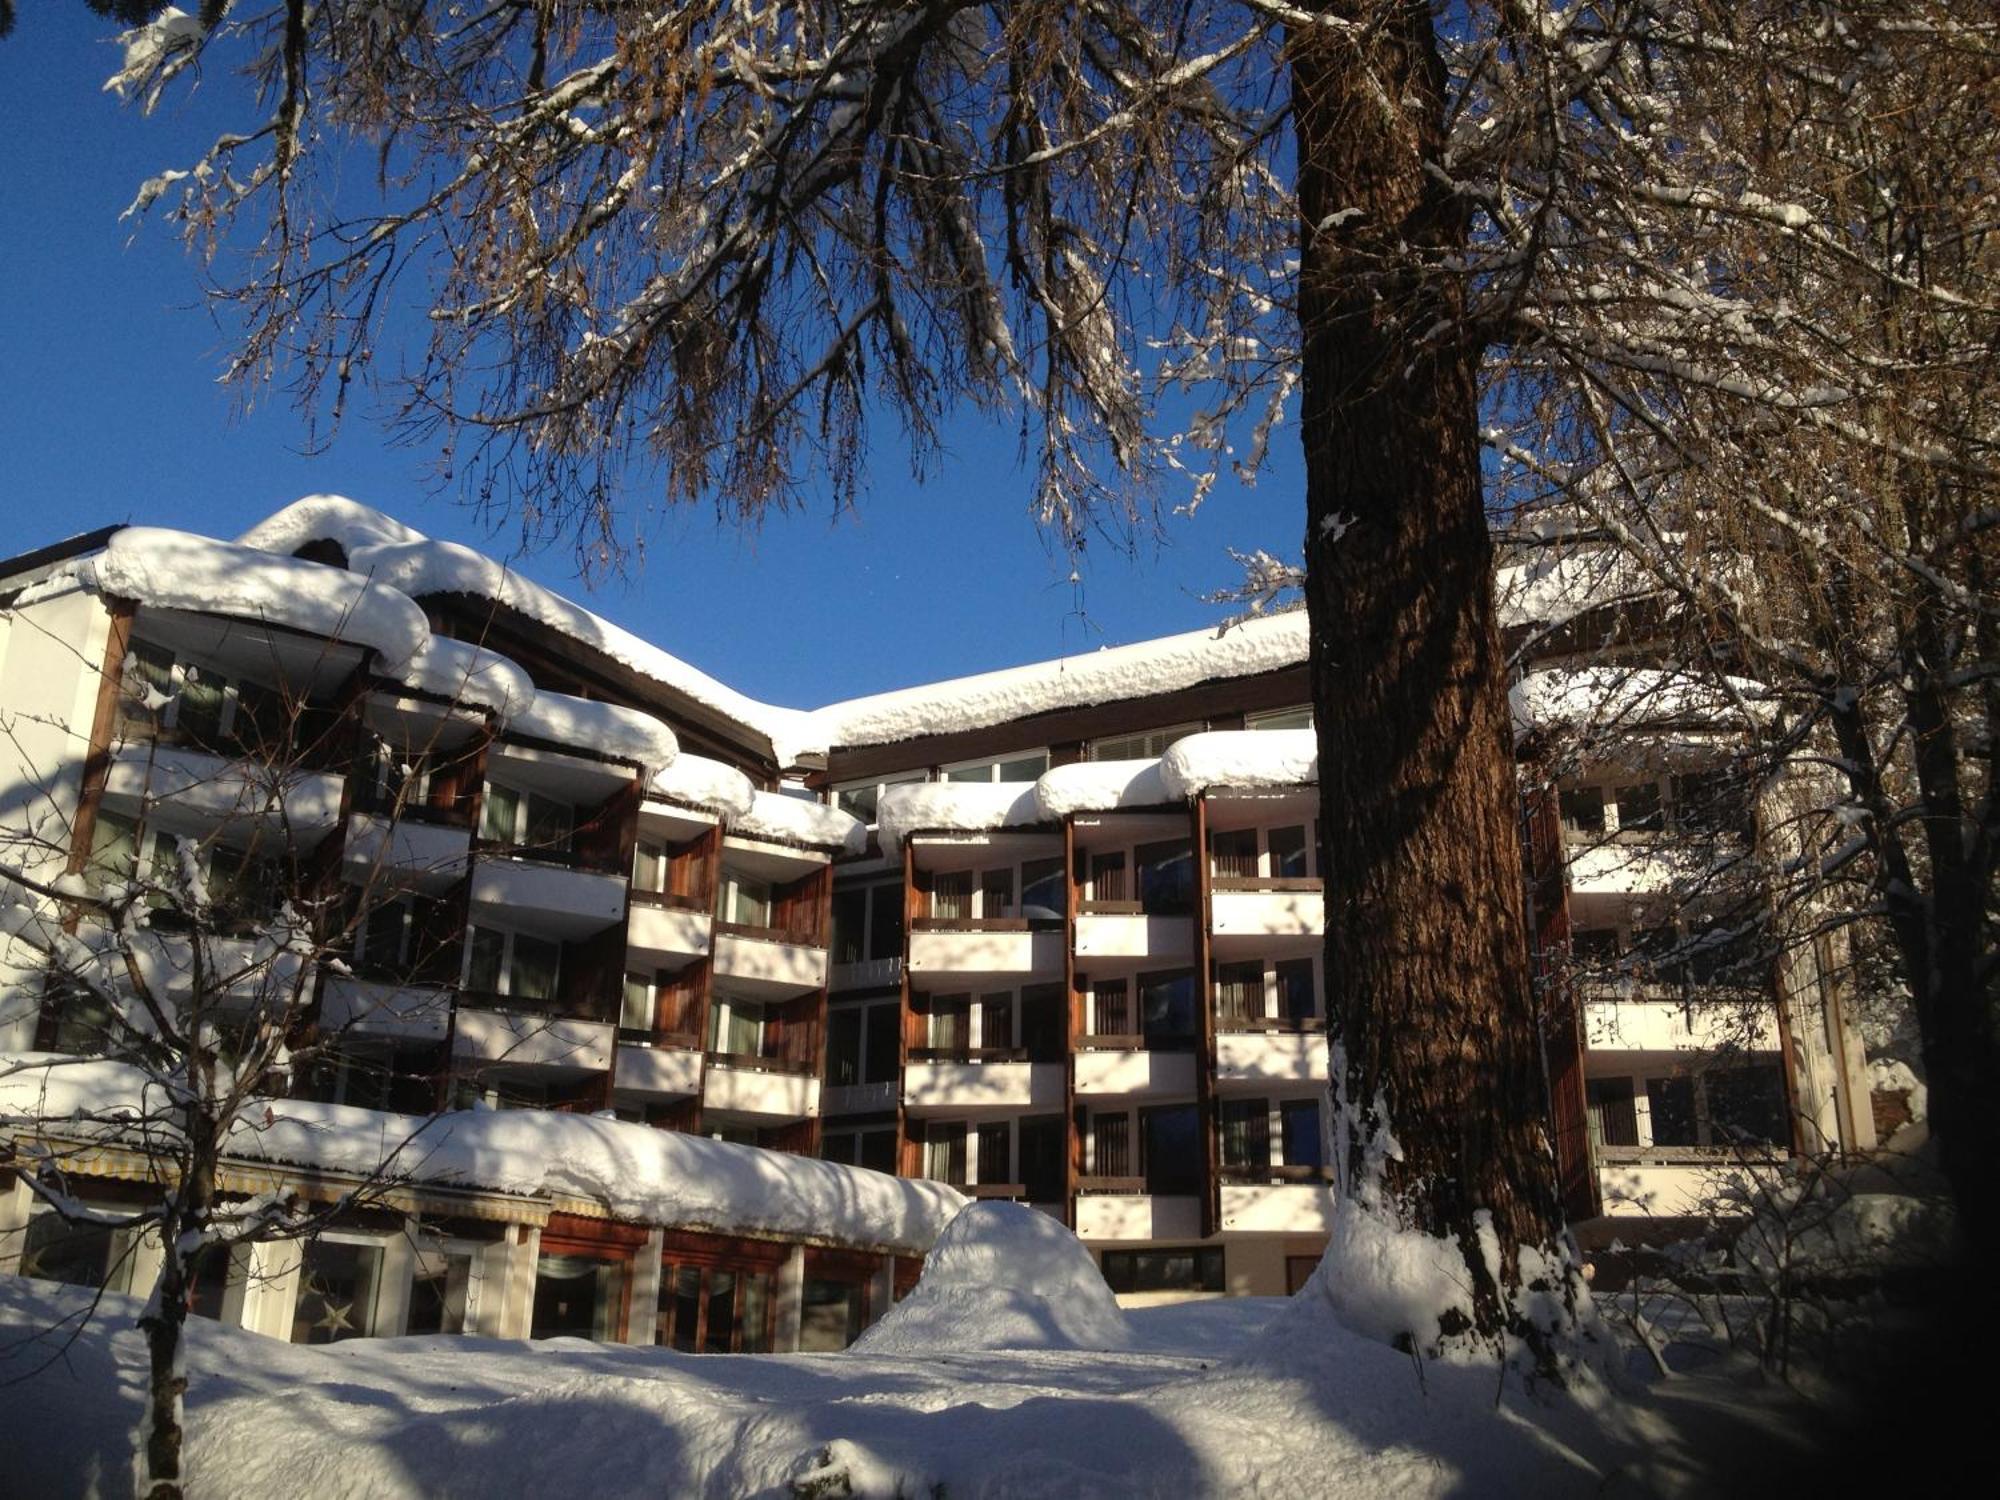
[(1050, 934)]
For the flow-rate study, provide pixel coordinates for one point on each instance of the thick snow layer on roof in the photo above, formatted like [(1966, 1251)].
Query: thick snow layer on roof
[(1630, 697), (178, 570), (1099, 786), (795, 820), (406, 560), (1264, 644), (608, 728), (1557, 585), (634, 1171), (702, 782), (467, 674), (1003, 1276), (1244, 759), (954, 807)]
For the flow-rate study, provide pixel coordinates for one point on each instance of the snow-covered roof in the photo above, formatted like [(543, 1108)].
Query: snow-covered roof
[(1624, 698), (1239, 759), (608, 728), (796, 820), (179, 570), (1263, 644), (635, 1172), (406, 560), (706, 783)]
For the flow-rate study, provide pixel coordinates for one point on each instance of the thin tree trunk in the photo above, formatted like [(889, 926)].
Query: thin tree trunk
[(1427, 980), (165, 1320)]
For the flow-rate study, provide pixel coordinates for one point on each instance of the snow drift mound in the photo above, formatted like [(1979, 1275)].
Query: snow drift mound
[(1003, 1276)]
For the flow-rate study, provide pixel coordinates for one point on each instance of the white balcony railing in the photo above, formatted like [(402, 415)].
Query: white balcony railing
[(1142, 1074), (739, 1088), (1137, 1216), (1276, 1208), (940, 956), (1660, 1025), (525, 1040), (1117, 936), (198, 790), (566, 902), (763, 964), (667, 936), (1267, 913), (1271, 1056), (664, 1072), (404, 851), (364, 1007), (973, 1088)]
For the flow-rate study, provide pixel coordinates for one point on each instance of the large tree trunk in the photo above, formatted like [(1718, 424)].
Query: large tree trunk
[(1428, 990)]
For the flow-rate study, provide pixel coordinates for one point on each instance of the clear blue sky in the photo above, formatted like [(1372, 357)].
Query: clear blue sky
[(110, 411)]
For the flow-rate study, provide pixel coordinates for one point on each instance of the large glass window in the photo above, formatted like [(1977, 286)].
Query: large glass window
[(830, 1315), (1298, 1123), (578, 1296), (79, 1254), (442, 1281), (1043, 897), (1288, 852), (339, 1279), (1583, 810), (944, 1152), (1167, 1003), (950, 1023), (1148, 746), (1671, 1101), (1196, 1269), (1166, 878), (517, 965), (850, 926), (1298, 998), (1239, 992), (526, 820), (635, 1013), (1235, 851), (1246, 1134), (1024, 767), (1639, 807), (1170, 1149), (736, 1027), (1746, 1106)]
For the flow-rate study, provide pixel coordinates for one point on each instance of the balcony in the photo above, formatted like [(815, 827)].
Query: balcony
[(1635, 866), (664, 935), (1132, 936), (1282, 1200), (948, 949), (556, 899), (1673, 1181), (1271, 1052), (1120, 1208), (858, 1098), (980, 1081), (766, 963), (758, 1088), (1125, 1066), (1255, 907), (662, 1072), (192, 791), (1615, 1021), (253, 972), (869, 974), (406, 851), (366, 1007), (530, 1040)]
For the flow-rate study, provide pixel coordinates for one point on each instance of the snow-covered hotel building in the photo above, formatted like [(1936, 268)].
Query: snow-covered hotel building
[(1049, 934)]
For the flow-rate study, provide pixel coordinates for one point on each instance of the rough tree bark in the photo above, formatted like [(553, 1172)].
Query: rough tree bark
[(1427, 984)]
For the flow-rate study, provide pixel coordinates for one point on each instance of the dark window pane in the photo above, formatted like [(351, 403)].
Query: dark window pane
[(884, 1044), (1638, 807), (1111, 1138), (1235, 853), (1246, 1134), (1583, 810), (843, 1046), (1614, 1119), (1170, 1149), (1296, 998), (1166, 878), (1672, 1104), (850, 918), (1239, 992), (1299, 1121), (996, 893), (885, 922), (1112, 1007), (951, 895), (1746, 1106), (1042, 894), (337, 1285), (877, 1150), (1288, 852), (1168, 1005)]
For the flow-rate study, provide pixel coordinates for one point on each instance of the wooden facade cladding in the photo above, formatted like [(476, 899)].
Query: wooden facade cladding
[(1073, 1001), (103, 720), (909, 1151), (1204, 995)]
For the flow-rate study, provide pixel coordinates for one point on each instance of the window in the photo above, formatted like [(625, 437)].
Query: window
[(444, 1277), (743, 899), (635, 1013), (1746, 1106), (874, 1148), (830, 1315), (735, 1027), (996, 1020), (1235, 853), (1298, 996), (339, 1276), (1671, 1102), (1107, 877), (950, 1023), (1596, 947), (383, 951), (1712, 802), (114, 848), (714, 1309), (850, 926), (1639, 807), (1148, 746), (1614, 1119), (649, 866), (147, 692), (861, 1044), (244, 886), (1044, 1023), (1246, 1134), (1239, 992), (996, 1151), (1196, 1269), (578, 1296), (1043, 897), (78, 1254), (862, 799), (944, 1153), (1166, 878), (1026, 767), (1111, 1008), (1167, 1004), (514, 964), (1170, 1149), (1111, 1146), (525, 820), (951, 895), (1583, 810), (1044, 1149), (885, 922), (1282, 718), (1299, 1134), (996, 893), (867, 924), (1288, 852)]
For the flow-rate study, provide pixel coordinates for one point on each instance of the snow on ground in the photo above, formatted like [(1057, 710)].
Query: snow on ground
[(1003, 1276), (1313, 1412)]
